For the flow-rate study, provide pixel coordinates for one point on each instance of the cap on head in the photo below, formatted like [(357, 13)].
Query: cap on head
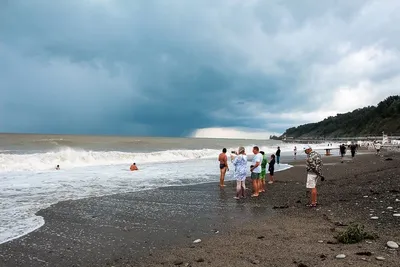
[(307, 147)]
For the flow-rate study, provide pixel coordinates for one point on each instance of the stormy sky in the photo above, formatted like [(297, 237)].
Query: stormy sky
[(227, 68)]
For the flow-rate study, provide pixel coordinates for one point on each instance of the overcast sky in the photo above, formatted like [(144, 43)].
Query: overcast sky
[(226, 68)]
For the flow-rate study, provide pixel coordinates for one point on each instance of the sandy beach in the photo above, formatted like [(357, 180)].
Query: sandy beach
[(158, 227)]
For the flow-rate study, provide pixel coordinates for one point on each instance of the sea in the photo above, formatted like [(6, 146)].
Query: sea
[(92, 166)]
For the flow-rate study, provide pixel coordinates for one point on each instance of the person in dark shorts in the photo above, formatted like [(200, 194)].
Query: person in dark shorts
[(271, 168), (278, 155), (223, 167)]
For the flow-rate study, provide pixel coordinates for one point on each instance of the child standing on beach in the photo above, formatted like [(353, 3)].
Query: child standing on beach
[(271, 168), (264, 163), (240, 163)]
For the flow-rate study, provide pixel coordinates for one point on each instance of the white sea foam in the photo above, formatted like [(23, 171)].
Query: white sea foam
[(69, 158)]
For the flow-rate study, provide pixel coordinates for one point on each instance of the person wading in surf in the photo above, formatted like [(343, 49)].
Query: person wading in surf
[(223, 167), (134, 167)]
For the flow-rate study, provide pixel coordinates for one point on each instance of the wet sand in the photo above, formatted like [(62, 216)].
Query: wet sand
[(158, 227)]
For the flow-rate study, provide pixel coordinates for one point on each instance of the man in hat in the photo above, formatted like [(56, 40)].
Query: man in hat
[(314, 170)]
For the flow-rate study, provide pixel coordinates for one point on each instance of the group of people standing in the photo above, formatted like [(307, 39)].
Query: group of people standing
[(258, 170), (260, 165)]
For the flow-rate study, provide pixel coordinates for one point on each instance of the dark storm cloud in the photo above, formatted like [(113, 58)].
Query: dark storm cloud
[(171, 67)]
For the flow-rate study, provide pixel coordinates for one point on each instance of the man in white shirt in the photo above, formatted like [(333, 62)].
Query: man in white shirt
[(378, 148), (255, 171)]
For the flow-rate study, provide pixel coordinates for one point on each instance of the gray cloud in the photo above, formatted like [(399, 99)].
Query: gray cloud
[(168, 68)]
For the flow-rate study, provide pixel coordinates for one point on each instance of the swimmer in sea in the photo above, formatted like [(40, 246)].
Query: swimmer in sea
[(57, 167), (134, 167), (223, 166)]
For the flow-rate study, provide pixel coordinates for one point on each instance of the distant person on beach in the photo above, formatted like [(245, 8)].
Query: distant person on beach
[(134, 167), (263, 172), (353, 148), (295, 152), (223, 166), (378, 147), (314, 170), (255, 169), (271, 168), (278, 154), (240, 163), (57, 167), (342, 149)]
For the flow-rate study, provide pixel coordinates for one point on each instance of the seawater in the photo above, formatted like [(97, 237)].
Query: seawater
[(96, 166)]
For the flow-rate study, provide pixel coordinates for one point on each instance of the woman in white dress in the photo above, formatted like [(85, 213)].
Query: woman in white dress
[(240, 163)]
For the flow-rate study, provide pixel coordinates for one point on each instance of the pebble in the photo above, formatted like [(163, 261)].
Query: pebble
[(340, 256), (197, 241), (321, 241), (380, 258), (396, 215), (389, 208), (178, 262), (392, 244), (397, 200), (368, 242), (365, 196), (374, 218)]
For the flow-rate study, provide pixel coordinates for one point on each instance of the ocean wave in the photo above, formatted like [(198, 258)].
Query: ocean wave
[(68, 157)]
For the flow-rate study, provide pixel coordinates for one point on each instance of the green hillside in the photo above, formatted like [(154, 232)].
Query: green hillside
[(360, 122)]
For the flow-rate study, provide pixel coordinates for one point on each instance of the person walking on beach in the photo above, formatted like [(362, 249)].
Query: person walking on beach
[(342, 149), (271, 168), (378, 148), (295, 152), (240, 163), (255, 169), (353, 148), (263, 172), (314, 170), (223, 166)]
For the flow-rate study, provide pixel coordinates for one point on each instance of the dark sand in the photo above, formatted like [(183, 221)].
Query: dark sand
[(157, 228)]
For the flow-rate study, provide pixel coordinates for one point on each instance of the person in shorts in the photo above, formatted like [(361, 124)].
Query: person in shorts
[(314, 171), (263, 171), (255, 169)]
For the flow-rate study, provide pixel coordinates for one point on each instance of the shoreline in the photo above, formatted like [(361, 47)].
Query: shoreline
[(199, 209)]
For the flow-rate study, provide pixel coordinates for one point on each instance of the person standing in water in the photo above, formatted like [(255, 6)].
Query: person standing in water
[(278, 154), (314, 170), (240, 163), (134, 167), (223, 167), (263, 172), (271, 169), (255, 171), (58, 167), (295, 152)]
